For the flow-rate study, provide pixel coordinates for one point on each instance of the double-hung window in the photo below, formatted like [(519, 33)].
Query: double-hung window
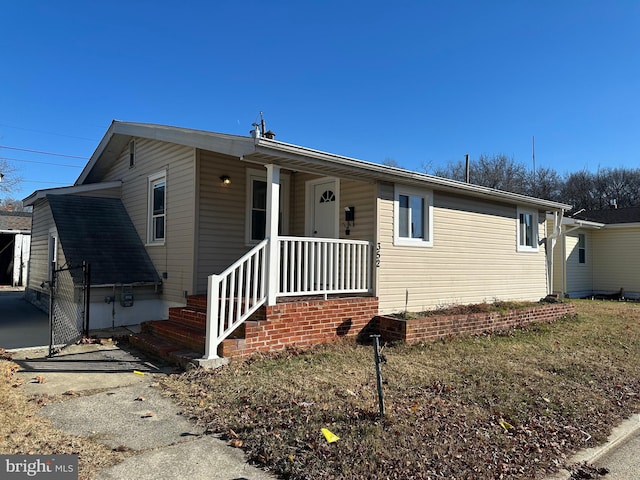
[(527, 233), (582, 248), (413, 217), (157, 208)]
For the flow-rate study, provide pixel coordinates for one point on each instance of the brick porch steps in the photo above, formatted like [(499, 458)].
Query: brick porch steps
[(164, 349), (181, 338)]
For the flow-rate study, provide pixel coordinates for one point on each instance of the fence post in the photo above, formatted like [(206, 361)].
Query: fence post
[(52, 283), (86, 270), (376, 354)]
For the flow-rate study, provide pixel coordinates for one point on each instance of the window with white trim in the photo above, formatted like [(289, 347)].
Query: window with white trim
[(527, 232), (157, 208), (255, 229), (582, 248), (413, 217)]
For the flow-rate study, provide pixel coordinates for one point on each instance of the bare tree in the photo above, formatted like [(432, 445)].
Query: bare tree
[(12, 205), (9, 179), (498, 171), (545, 183), (391, 162), (579, 190)]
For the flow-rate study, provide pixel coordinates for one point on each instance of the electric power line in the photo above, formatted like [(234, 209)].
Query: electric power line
[(43, 153), (47, 133), (42, 163)]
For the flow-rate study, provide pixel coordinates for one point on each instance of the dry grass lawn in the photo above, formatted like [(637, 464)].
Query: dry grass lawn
[(514, 405)]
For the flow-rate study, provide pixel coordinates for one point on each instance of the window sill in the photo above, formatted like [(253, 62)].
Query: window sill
[(405, 242), (155, 244)]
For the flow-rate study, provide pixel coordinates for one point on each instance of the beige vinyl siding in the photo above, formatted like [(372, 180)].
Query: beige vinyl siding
[(579, 275), (617, 262), (473, 258), (39, 260), (299, 202), (362, 196), (221, 216), (106, 193), (176, 256)]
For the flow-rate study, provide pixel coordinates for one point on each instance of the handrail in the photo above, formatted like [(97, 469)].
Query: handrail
[(234, 295)]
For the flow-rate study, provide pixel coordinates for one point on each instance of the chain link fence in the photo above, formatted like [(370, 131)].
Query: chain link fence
[(68, 312)]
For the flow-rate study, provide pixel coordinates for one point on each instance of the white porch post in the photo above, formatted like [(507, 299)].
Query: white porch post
[(271, 232)]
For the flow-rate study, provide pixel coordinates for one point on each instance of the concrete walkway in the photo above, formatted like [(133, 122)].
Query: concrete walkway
[(123, 406), (21, 324)]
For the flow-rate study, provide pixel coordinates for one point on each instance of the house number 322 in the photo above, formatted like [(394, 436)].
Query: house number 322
[(378, 255)]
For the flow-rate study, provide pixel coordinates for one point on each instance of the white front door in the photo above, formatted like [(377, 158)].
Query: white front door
[(324, 214)]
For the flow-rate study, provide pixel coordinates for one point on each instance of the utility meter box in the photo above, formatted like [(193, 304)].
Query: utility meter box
[(126, 297)]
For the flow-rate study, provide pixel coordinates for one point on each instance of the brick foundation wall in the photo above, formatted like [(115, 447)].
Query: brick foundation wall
[(302, 324), (436, 327)]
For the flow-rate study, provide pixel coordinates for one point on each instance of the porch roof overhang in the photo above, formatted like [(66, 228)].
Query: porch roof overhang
[(313, 161), (577, 223)]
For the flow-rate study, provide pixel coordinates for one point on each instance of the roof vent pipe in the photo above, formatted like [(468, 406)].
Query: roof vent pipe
[(255, 133), (466, 174)]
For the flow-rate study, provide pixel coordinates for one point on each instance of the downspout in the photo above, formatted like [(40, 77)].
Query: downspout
[(557, 233)]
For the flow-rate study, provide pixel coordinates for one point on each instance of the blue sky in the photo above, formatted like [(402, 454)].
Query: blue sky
[(421, 82)]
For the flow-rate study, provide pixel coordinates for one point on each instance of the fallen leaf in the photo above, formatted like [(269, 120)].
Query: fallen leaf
[(40, 379), (506, 425), (70, 393), (148, 415), (331, 437), (236, 443), (140, 399)]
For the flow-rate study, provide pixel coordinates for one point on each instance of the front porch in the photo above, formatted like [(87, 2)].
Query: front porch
[(255, 304), (291, 322)]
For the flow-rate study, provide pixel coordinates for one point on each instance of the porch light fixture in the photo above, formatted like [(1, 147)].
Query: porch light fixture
[(225, 179)]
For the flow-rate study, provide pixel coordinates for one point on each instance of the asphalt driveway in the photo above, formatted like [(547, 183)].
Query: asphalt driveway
[(21, 324)]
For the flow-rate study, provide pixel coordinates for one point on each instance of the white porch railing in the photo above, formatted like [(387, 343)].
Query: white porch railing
[(311, 266), (307, 266), (234, 295)]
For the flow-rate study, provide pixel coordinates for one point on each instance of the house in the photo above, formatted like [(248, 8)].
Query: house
[(598, 254), (243, 227), (15, 237)]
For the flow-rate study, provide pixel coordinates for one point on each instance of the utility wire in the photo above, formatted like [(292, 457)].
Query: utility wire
[(47, 133), (42, 163), (43, 153)]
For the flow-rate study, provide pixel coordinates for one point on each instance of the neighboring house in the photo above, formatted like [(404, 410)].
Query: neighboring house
[(15, 238), (274, 221), (600, 253)]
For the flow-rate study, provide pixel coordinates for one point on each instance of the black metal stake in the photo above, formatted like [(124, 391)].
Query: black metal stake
[(376, 354)]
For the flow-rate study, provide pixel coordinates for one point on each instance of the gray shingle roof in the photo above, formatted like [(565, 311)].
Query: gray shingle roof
[(611, 215), (100, 232), (15, 221)]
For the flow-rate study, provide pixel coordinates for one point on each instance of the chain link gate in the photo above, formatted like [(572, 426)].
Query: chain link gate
[(68, 306)]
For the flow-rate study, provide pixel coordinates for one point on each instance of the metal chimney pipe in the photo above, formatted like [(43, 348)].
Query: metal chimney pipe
[(466, 174)]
